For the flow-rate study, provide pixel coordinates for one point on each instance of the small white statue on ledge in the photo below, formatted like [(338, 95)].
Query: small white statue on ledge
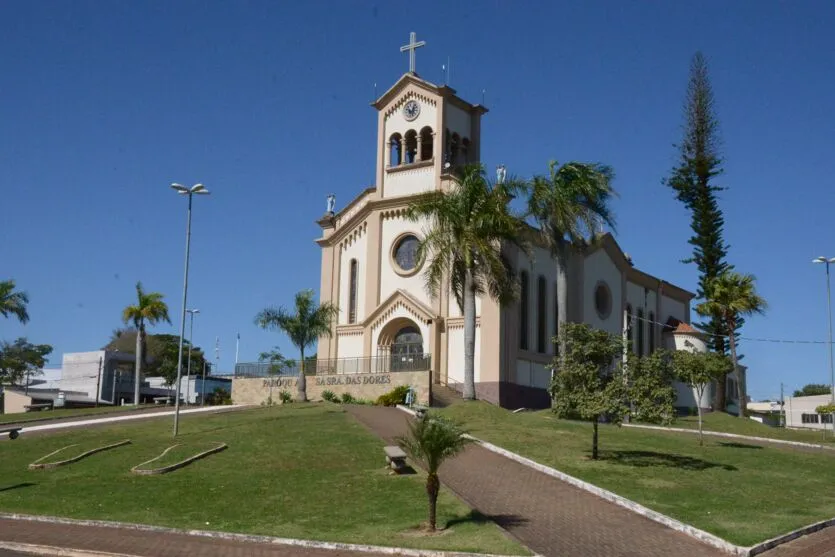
[(331, 204)]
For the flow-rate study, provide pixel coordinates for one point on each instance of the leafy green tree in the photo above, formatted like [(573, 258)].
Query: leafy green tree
[(13, 302), (21, 360), (698, 370), (303, 325), (569, 206), (162, 351), (589, 383), (693, 182), (730, 296), (432, 440), (813, 389), (150, 309), (277, 361), (650, 387), (463, 246)]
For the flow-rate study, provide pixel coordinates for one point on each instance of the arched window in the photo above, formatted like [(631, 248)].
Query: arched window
[(352, 292), (651, 327), (541, 314), (426, 147), (629, 324), (465, 151), (524, 300), (395, 149), (556, 317), (640, 325), (411, 146), (454, 148)]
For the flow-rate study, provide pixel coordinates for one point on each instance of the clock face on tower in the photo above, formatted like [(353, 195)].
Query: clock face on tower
[(411, 110)]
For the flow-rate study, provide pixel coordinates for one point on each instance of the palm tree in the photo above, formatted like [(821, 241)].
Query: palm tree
[(303, 327), (151, 309), (468, 227), (13, 303), (569, 206), (431, 440), (730, 296)]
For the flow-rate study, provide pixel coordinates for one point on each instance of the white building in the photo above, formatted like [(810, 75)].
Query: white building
[(370, 271), (800, 412)]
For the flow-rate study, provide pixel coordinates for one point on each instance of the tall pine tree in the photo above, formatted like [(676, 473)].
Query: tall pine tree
[(692, 180)]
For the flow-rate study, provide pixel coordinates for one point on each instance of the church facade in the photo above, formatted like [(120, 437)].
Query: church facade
[(387, 320)]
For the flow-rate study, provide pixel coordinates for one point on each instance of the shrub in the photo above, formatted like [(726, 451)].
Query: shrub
[(693, 411), (394, 397), (347, 398), (330, 396), (285, 397), (218, 397)]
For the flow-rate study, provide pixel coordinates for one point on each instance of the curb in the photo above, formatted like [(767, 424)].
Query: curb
[(52, 550), (655, 516), (125, 418), (37, 465), (734, 436), (176, 465), (250, 538)]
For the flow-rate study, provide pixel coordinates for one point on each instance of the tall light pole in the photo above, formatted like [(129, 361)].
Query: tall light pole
[(190, 344), (827, 261), (197, 189)]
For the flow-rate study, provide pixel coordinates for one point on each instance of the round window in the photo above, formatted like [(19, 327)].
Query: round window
[(602, 300), (405, 253)]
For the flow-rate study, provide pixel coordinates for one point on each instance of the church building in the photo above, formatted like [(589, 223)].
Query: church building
[(387, 320)]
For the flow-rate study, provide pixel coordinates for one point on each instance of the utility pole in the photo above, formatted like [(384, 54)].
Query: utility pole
[(217, 354), (98, 382), (203, 387), (116, 376), (782, 407)]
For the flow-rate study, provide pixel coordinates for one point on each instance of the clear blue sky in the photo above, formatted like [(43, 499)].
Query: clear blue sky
[(102, 104)]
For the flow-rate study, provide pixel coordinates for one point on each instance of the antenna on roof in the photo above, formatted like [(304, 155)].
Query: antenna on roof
[(483, 91), (375, 90)]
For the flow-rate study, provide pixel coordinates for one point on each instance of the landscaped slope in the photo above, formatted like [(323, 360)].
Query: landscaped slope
[(303, 472), (742, 492)]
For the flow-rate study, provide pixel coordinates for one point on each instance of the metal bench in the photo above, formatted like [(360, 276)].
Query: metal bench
[(395, 458), (44, 406), (14, 432), (162, 400)]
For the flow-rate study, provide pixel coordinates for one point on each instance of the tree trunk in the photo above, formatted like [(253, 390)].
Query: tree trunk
[(433, 485), (139, 356), (301, 384), (720, 400), (699, 410), (469, 337), (740, 376), (594, 440)]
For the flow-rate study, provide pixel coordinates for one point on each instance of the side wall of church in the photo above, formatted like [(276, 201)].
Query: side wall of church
[(673, 308), (455, 351), (349, 345), (641, 298), (355, 248), (458, 121), (600, 269), (393, 227)]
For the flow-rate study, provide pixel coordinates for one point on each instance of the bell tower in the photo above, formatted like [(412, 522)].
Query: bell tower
[(424, 133)]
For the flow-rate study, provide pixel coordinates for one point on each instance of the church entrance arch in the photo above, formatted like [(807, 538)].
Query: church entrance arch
[(400, 347)]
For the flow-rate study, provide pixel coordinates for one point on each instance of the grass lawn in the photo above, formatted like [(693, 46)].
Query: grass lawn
[(742, 492), (299, 471), (70, 413), (720, 421)]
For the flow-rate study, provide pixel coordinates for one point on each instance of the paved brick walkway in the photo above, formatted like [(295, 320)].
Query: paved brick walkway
[(147, 544), (549, 516), (819, 544)]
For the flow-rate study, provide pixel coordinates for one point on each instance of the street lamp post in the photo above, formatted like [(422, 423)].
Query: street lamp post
[(190, 344), (827, 261), (197, 189)]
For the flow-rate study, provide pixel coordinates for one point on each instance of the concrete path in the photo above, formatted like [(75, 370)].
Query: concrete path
[(127, 542), (549, 516), (69, 422)]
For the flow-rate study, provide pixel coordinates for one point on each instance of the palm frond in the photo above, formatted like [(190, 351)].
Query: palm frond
[(13, 302)]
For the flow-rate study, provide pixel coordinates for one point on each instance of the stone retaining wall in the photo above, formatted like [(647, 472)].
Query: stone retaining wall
[(367, 386)]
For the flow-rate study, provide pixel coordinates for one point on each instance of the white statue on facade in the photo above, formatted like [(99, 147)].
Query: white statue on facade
[(331, 203)]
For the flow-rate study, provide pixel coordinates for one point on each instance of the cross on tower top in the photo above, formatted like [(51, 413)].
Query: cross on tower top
[(411, 47)]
